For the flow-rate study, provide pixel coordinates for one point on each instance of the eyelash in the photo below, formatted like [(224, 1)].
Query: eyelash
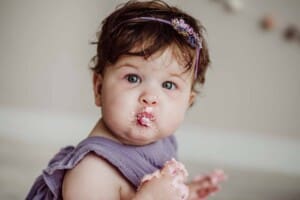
[(133, 78), (130, 76), (173, 85)]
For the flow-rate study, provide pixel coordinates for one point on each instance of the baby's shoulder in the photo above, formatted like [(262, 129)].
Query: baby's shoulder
[(94, 165), (92, 178)]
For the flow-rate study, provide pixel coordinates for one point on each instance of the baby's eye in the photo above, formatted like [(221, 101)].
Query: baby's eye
[(169, 85), (133, 78)]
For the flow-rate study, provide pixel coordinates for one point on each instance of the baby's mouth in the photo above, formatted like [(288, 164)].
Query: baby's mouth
[(145, 118)]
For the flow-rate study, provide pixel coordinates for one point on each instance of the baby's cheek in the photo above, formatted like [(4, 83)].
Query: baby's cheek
[(172, 120)]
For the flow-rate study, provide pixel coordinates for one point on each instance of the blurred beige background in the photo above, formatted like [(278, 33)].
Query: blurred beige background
[(252, 85), (247, 117)]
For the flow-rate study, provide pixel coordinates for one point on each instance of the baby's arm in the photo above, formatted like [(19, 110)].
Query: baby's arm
[(92, 178)]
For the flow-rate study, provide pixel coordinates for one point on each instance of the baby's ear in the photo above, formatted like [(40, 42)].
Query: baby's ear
[(97, 85), (192, 98)]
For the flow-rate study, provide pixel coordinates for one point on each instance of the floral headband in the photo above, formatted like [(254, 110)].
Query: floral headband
[(183, 29)]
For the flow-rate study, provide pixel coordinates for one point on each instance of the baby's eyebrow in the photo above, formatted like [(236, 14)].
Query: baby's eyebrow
[(127, 64), (178, 75)]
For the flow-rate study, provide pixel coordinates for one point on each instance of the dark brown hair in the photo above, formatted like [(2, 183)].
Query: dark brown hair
[(120, 35)]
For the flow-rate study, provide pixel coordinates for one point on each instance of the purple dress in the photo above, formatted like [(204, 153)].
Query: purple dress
[(133, 162)]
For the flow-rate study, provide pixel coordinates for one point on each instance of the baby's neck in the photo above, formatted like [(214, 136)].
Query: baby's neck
[(101, 130)]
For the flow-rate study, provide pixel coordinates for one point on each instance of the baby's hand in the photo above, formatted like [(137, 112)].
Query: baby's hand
[(205, 185), (168, 183)]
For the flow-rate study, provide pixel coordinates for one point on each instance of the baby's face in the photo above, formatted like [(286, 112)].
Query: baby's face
[(144, 100)]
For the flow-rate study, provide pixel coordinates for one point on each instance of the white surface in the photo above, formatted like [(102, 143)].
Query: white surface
[(240, 150)]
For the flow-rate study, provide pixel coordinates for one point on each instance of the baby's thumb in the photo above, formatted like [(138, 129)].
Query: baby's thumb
[(175, 169)]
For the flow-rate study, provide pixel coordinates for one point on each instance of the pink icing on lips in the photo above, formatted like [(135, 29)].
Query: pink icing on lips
[(145, 117)]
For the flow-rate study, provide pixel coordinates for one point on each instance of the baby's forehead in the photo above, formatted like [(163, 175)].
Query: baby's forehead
[(171, 54), (165, 61)]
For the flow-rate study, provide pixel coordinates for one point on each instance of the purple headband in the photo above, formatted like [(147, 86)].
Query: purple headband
[(183, 29)]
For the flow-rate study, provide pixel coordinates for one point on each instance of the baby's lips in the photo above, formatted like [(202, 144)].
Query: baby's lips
[(145, 118), (147, 115)]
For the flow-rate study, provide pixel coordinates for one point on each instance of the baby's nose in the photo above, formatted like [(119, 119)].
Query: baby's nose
[(148, 99)]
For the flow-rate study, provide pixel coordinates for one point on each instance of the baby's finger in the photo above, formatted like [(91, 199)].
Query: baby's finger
[(213, 178), (206, 192)]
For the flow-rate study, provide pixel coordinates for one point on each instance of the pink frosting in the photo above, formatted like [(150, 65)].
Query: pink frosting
[(145, 117), (178, 171)]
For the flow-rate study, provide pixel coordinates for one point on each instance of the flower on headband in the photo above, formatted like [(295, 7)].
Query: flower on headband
[(187, 31)]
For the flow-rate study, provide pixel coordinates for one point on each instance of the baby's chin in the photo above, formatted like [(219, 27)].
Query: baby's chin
[(138, 140), (137, 134), (140, 137)]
